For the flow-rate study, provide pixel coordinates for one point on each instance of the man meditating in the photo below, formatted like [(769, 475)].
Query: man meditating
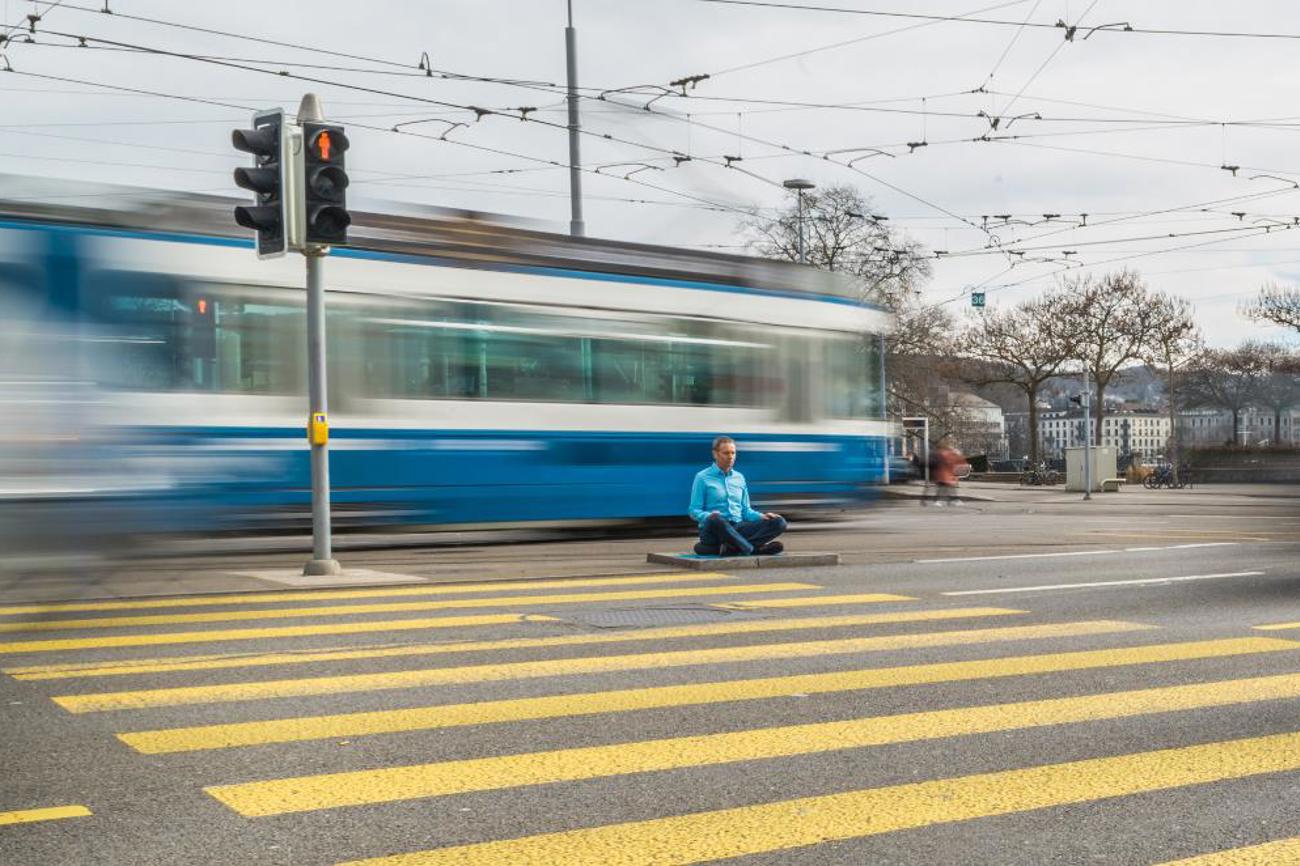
[(720, 505)]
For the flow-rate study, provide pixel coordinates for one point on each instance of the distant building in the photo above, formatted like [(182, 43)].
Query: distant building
[(1145, 433), (982, 428), (1255, 427)]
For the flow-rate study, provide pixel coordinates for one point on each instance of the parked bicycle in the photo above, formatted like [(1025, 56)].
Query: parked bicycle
[(1040, 475), (1163, 476)]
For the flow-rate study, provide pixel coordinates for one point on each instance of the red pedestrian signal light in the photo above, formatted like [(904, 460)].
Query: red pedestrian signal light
[(325, 184)]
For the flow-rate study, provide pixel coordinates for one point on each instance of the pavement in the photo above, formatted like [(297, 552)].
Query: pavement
[(889, 530), (1023, 681)]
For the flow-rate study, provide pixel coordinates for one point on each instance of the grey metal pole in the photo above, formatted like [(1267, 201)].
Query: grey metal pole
[(322, 561), (884, 406), (802, 260), (576, 227), (926, 433), (1087, 436)]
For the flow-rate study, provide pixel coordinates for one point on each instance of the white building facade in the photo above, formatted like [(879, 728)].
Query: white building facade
[(1144, 433), (1255, 427)]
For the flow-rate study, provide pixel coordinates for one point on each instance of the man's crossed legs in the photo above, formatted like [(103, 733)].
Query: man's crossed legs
[(718, 537)]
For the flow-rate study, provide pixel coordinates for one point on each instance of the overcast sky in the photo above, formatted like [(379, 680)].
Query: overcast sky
[(1133, 129)]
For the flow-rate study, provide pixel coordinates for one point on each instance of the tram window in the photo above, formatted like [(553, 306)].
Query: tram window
[(139, 339), (852, 370), (160, 335), (467, 351), (448, 350), (695, 372)]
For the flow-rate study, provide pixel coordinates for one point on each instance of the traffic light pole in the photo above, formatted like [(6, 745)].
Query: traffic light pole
[(1087, 435), (299, 176), (322, 561)]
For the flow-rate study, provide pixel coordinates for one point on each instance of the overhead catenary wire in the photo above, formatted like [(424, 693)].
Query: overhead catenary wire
[(965, 19), (479, 147), (855, 41), (514, 114)]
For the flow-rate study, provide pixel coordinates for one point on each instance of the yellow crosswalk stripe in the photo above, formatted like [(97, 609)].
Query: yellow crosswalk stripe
[(812, 601), (1278, 626), (342, 594), (1283, 852), (391, 784), (287, 730), (392, 607), (242, 660), (248, 691), (780, 826), (53, 813), (233, 634)]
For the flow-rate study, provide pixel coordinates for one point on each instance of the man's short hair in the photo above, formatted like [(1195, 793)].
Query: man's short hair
[(722, 440)]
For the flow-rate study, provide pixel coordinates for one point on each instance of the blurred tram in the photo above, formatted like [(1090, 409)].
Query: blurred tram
[(478, 373)]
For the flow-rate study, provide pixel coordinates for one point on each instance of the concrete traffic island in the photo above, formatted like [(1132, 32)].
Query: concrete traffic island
[(709, 563)]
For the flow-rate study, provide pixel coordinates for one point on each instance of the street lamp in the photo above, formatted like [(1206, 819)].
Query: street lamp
[(799, 185)]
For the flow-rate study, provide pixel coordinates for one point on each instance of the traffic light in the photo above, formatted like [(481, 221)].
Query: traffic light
[(267, 142), (1077, 399), (325, 184), (203, 333)]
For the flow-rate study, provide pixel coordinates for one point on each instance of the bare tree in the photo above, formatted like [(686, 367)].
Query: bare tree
[(1276, 304), (1108, 321), (1227, 379), (1023, 346), (1173, 342), (1278, 388), (843, 233)]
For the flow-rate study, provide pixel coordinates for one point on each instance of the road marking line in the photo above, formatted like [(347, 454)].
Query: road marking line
[(813, 601), (238, 660), (438, 779), (1145, 580), (53, 813), (392, 607), (780, 826), (1278, 853), (497, 672), (130, 640), (1020, 556), (339, 595), (237, 734), (1081, 552), (1277, 626), (1168, 535), (1233, 517)]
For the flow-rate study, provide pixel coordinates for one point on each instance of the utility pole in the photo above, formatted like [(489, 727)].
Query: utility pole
[(799, 185), (576, 227)]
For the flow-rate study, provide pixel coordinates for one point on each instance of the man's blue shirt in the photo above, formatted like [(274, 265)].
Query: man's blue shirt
[(726, 494)]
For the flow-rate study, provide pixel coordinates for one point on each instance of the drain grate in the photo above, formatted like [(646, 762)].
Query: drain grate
[(652, 616)]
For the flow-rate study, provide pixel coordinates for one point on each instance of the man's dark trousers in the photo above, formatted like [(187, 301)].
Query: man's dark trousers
[(744, 537)]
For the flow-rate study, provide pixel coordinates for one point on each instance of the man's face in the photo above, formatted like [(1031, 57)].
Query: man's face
[(725, 456)]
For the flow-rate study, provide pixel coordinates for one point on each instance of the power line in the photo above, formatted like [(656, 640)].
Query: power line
[(854, 41), (522, 114), (1125, 28), (424, 66), (463, 144)]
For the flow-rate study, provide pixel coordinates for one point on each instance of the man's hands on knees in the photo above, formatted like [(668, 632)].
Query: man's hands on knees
[(771, 515)]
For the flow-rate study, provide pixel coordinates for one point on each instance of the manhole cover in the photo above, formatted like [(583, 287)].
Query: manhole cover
[(651, 616)]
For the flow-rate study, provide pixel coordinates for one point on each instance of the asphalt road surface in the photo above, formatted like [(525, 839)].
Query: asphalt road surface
[(998, 683)]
